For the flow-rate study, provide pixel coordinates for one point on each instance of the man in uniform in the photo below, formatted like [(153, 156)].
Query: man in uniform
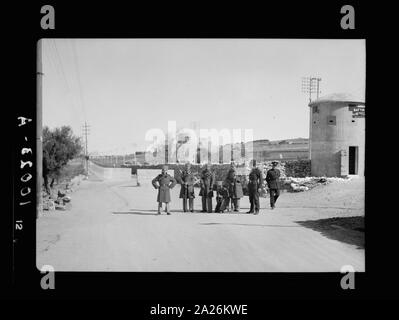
[(233, 183), (187, 181), (232, 166), (229, 174), (255, 183), (272, 179), (164, 182), (207, 181)]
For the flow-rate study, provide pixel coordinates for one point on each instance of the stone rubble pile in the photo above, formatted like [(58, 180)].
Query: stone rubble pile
[(58, 199), (305, 184), (295, 175)]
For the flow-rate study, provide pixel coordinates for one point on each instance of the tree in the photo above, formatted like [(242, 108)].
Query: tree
[(59, 146)]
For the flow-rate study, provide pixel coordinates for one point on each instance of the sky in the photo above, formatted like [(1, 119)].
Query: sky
[(123, 87)]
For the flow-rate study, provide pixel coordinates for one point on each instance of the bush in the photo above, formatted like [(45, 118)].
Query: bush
[(59, 147)]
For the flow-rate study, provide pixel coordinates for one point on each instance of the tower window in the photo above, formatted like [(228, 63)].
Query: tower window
[(332, 120), (315, 109)]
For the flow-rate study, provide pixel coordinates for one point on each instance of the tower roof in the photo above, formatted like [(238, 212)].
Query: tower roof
[(338, 97)]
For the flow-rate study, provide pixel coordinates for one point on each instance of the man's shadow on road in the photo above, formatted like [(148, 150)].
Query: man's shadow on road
[(154, 212), (145, 212), (129, 186)]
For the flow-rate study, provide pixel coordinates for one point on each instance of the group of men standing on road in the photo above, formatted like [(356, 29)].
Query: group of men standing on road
[(229, 192)]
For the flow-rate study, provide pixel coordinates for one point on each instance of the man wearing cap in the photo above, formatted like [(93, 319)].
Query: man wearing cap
[(230, 173), (187, 181), (232, 166), (272, 179), (207, 181), (164, 182), (255, 183), (233, 183)]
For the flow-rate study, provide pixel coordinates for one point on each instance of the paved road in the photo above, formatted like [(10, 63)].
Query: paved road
[(112, 226)]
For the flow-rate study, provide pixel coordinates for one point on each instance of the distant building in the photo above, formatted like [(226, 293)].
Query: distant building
[(337, 135), (290, 149), (140, 157), (265, 150)]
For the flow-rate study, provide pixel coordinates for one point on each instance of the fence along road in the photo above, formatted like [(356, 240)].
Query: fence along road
[(110, 173)]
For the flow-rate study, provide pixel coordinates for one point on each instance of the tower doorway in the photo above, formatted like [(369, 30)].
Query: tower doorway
[(353, 159)]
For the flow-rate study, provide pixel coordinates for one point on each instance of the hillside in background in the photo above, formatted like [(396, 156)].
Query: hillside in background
[(263, 150)]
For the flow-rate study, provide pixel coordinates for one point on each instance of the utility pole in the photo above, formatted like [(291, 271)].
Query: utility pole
[(86, 131), (318, 87), (311, 85), (39, 129)]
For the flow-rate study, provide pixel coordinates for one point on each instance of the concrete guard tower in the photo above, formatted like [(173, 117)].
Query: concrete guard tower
[(337, 135)]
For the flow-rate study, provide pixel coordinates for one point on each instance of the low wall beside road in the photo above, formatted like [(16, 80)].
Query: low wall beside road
[(110, 173)]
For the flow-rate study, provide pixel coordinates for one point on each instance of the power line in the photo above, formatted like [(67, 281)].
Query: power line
[(59, 60), (78, 76), (61, 65), (50, 57)]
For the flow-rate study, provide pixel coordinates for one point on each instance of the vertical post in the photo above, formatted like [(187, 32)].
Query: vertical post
[(198, 154), (318, 87), (310, 116), (311, 122), (166, 148), (87, 162), (310, 132), (39, 130), (86, 132), (209, 151), (307, 87)]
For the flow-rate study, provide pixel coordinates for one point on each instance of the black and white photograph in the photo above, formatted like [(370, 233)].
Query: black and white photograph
[(201, 155)]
